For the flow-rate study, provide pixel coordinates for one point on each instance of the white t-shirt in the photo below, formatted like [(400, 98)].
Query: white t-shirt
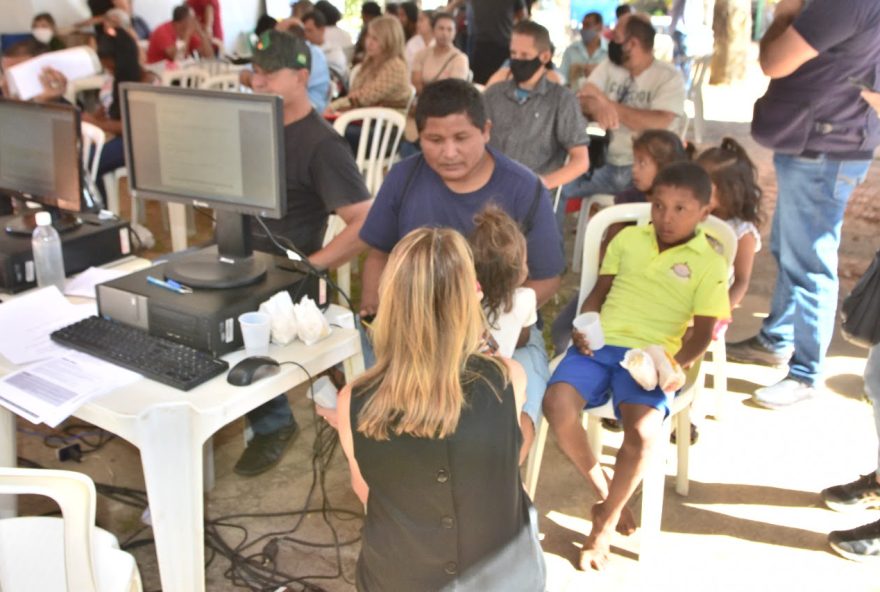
[(415, 44), (335, 57), (337, 37), (510, 324), (659, 88), (742, 228)]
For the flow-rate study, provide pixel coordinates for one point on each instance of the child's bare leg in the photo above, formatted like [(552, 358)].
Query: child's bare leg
[(562, 408), (641, 425)]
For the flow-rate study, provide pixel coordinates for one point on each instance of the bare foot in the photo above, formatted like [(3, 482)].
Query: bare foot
[(626, 525), (597, 546)]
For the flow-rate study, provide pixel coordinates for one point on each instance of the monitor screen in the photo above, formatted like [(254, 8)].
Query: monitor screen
[(40, 155), (217, 149)]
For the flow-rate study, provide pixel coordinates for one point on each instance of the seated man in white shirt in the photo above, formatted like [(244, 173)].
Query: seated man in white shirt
[(315, 28)]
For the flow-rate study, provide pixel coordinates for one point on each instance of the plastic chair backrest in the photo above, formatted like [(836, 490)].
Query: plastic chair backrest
[(93, 139), (185, 78), (699, 68), (75, 495), (227, 81), (381, 130), (639, 213)]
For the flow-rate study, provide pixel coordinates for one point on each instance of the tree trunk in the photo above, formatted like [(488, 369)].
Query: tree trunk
[(733, 28)]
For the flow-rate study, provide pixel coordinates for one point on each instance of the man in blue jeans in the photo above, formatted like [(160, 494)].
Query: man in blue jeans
[(823, 136)]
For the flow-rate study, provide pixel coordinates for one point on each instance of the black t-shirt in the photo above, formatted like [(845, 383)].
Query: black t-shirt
[(99, 7), (493, 20), (321, 177)]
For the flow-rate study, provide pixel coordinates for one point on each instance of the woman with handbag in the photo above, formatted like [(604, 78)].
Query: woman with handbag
[(432, 435)]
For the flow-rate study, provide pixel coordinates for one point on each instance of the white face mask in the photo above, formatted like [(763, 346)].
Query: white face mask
[(42, 34)]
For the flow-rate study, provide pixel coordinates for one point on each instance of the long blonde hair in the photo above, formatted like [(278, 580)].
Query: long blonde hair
[(389, 32), (429, 323)]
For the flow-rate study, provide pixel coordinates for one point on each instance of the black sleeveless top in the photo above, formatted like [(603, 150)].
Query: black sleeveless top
[(438, 506)]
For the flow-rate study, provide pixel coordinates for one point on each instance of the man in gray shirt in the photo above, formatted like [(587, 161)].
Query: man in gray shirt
[(534, 121)]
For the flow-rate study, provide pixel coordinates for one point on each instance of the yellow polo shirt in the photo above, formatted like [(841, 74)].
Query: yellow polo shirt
[(655, 295)]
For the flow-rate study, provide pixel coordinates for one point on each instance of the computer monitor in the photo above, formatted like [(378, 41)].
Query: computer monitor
[(41, 160), (214, 149)]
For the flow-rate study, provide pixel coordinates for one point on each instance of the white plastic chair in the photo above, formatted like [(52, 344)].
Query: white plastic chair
[(600, 201), (335, 225), (111, 190), (655, 474), (78, 85), (185, 78), (93, 139), (226, 81), (693, 103), (381, 130), (68, 553)]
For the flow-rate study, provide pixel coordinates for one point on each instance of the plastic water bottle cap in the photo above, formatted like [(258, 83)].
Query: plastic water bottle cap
[(44, 219)]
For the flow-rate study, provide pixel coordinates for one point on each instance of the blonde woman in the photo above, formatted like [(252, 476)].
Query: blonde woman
[(432, 435), (383, 78)]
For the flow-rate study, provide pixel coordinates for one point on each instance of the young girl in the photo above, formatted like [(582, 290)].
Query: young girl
[(736, 199), (499, 249), (652, 150)]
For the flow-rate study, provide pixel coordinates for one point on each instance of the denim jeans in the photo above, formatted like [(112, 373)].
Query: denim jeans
[(812, 197), (607, 179), (872, 388), (271, 416)]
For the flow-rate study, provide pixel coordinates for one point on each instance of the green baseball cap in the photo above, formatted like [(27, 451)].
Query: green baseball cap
[(279, 49)]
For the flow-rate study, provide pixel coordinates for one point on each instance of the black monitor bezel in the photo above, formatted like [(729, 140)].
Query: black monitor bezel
[(280, 205), (51, 201)]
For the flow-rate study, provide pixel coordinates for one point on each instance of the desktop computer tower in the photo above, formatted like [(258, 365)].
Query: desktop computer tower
[(93, 243), (207, 319)]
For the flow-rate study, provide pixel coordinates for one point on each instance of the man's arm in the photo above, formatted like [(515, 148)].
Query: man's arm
[(642, 119), (695, 346), (206, 47), (544, 289), (374, 265), (577, 165), (598, 107), (783, 49), (346, 245)]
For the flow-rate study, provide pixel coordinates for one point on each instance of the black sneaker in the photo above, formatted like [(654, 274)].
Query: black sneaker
[(861, 494), (265, 450), (858, 544), (752, 351)]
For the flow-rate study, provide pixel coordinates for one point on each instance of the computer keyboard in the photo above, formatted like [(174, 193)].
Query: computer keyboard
[(159, 359)]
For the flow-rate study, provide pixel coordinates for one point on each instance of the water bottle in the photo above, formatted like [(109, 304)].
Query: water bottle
[(46, 245)]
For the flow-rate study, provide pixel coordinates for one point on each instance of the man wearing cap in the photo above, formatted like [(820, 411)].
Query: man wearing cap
[(322, 178)]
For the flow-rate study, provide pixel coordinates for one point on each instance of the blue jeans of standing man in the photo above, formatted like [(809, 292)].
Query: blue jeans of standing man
[(812, 197)]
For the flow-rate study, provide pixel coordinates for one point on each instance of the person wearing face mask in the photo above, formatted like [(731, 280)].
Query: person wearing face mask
[(43, 31), (536, 122), (628, 93), (581, 57)]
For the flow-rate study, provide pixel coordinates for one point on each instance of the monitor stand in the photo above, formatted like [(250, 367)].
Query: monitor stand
[(24, 224), (232, 266)]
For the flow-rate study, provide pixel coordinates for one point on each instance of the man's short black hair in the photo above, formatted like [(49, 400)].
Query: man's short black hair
[(44, 16), (537, 32), (180, 13), (686, 175), (641, 29), (371, 9), (411, 11), (392, 8), (317, 17), (264, 23), (595, 16), (450, 97), (331, 13), (622, 10), (439, 16)]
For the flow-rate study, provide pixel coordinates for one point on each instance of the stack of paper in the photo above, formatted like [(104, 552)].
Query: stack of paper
[(74, 63), (51, 389)]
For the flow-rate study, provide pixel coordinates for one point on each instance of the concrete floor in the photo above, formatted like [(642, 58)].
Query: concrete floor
[(753, 519)]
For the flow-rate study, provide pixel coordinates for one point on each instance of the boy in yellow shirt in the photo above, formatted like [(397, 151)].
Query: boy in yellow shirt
[(653, 281)]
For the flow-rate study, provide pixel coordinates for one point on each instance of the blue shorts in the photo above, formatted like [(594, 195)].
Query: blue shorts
[(600, 377)]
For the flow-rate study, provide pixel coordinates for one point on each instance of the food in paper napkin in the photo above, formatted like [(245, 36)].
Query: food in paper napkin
[(670, 376), (641, 367), (280, 309), (310, 323)]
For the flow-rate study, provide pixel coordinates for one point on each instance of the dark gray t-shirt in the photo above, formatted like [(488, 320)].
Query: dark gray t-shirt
[(493, 20), (321, 177)]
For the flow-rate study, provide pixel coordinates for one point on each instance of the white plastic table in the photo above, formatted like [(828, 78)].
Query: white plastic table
[(170, 427)]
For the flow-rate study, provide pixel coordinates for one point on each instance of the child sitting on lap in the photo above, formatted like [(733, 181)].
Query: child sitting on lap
[(653, 281)]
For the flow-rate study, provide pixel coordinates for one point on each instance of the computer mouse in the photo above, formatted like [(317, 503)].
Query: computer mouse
[(252, 369)]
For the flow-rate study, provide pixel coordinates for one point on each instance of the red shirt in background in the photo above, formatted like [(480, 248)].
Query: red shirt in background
[(164, 37), (199, 7)]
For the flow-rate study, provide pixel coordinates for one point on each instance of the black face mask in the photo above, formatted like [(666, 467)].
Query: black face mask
[(522, 70), (615, 53)]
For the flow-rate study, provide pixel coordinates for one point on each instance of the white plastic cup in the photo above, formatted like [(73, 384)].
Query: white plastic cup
[(255, 331), (589, 325)]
